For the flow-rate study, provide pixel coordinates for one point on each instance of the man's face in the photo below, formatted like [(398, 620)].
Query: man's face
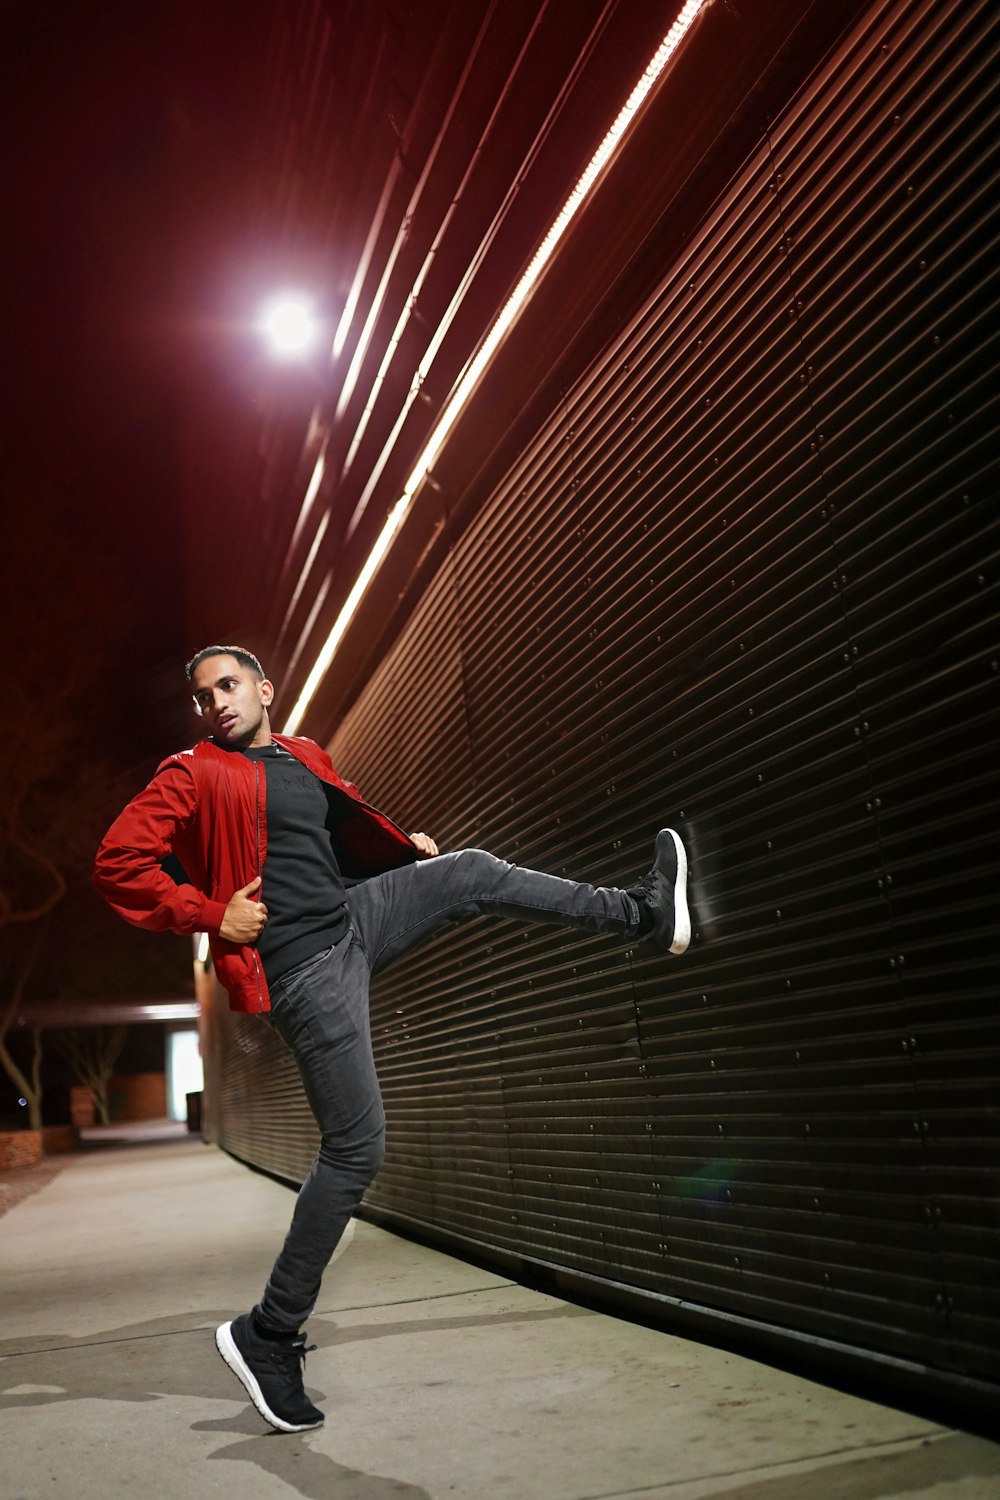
[(232, 702)]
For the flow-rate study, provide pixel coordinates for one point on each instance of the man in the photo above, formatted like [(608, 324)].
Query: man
[(306, 891)]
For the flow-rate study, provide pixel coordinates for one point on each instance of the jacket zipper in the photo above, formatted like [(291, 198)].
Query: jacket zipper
[(256, 957)]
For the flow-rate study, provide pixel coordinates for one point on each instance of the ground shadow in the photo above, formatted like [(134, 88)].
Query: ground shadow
[(176, 1357)]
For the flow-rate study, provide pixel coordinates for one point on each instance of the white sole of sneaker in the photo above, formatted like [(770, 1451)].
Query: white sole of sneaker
[(682, 917), (226, 1346)]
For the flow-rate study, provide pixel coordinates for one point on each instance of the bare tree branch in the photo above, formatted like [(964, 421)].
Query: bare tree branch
[(31, 1088), (45, 904), (92, 1054)]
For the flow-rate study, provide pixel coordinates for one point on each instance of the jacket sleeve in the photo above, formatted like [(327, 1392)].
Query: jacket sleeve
[(127, 868)]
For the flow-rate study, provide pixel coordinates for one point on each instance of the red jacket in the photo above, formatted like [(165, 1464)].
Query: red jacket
[(209, 807)]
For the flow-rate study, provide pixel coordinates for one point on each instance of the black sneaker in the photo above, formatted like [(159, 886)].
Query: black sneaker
[(271, 1370), (665, 922)]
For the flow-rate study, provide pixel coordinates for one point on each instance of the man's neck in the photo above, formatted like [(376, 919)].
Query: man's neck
[(259, 742)]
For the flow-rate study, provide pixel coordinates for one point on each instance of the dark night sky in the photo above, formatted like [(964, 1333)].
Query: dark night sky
[(128, 135)]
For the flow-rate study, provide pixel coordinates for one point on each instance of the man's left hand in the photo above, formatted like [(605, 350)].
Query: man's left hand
[(424, 844)]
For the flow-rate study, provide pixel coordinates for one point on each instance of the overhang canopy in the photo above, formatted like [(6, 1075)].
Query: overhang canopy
[(109, 1012)]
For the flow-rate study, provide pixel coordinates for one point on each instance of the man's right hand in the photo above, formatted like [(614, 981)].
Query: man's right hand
[(244, 920)]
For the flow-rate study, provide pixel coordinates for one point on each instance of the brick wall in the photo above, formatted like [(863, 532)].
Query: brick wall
[(138, 1096), (20, 1148)]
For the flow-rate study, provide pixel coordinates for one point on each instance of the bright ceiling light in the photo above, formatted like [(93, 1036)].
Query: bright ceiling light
[(602, 156), (289, 325)]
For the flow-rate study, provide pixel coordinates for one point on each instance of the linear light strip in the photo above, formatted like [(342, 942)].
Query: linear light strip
[(312, 490), (474, 370), (350, 307), (354, 369), (317, 542), (444, 323)]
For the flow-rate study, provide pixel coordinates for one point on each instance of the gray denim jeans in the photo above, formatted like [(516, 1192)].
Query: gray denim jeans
[(320, 1009)]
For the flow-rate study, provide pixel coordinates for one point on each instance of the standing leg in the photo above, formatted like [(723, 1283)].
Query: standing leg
[(321, 1010)]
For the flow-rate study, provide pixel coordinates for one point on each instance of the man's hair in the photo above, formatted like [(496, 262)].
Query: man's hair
[(244, 657)]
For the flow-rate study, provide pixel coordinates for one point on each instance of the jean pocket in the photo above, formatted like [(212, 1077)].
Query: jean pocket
[(306, 969)]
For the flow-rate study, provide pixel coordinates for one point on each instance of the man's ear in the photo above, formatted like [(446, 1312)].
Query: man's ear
[(266, 692)]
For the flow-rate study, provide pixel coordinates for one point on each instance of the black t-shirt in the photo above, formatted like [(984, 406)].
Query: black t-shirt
[(302, 886)]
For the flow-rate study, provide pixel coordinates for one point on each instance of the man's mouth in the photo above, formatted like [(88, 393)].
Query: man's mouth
[(224, 722)]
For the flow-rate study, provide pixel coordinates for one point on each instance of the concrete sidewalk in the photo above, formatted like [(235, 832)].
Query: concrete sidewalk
[(438, 1379)]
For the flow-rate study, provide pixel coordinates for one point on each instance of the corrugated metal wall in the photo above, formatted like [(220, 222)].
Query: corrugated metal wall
[(743, 580)]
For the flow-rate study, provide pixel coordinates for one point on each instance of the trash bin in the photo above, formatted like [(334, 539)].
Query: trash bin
[(194, 1112)]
